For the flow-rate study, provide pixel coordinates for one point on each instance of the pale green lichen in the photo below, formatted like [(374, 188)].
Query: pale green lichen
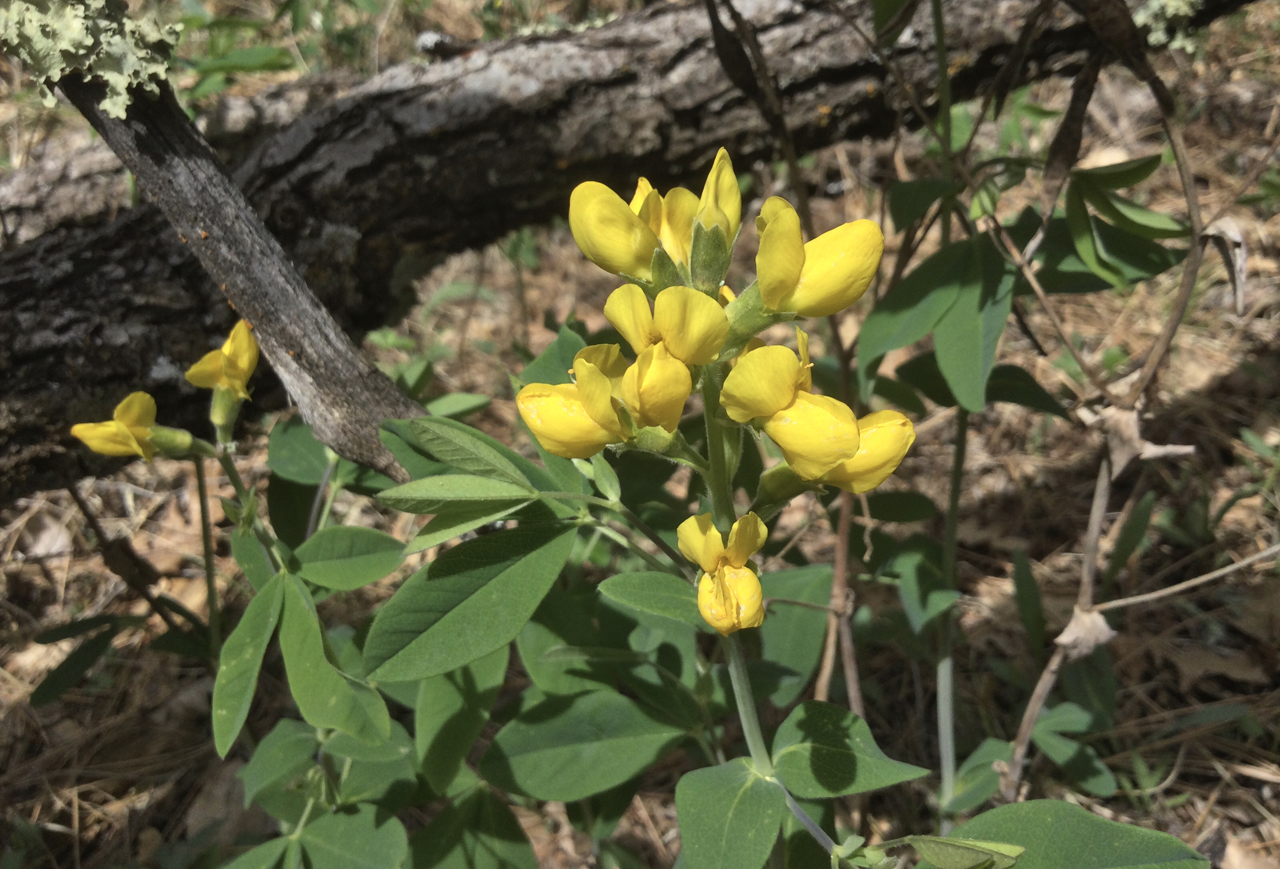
[(94, 37), (1166, 22)]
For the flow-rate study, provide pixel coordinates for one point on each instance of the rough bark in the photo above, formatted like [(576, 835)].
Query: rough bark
[(425, 160)]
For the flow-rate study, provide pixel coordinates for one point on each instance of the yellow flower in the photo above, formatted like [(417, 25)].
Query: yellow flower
[(772, 385), (670, 217), (128, 433), (656, 387), (729, 594), (886, 437), (610, 233), (721, 200), (573, 420), (816, 279), (231, 367), (691, 324)]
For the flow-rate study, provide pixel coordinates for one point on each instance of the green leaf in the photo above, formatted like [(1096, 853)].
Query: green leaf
[(454, 520), (900, 394), (568, 748), (1129, 215), (457, 404), (1080, 762), (1119, 175), (257, 58), (464, 448), (1063, 271), (1027, 595), (326, 696), (791, 635), (824, 751), (358, 838), (729, 816), (910, 310), (1130, 537), (253, 561), (1015, 385), (451, 710), (346, 557), (477, 832), (554, 363), (398, 747), (1084, 237), (287, 751), (909, 201), (800, 849), (965, 338), (289, 508), (397, 437), (473, 599), (1064, 718), (294, 453), (240, 662), (922, 372), (565, 621), (1059, 835), (265, 856), (73, 667), (956, 853), (428, 495), (976, 779), (662, 594), (606, 477), (921, 587)]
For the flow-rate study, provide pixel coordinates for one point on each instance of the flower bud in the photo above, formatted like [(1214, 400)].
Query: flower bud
[(609, 233), (885, 438), (731, 599)]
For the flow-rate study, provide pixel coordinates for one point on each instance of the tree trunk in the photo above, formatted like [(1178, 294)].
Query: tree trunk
[(366, 192)]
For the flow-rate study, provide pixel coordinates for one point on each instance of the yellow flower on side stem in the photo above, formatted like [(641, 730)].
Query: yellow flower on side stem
[(729, 593), (231, 367), (721, 200), (573, 420), (885, 438), (822, 277), (771, 386), (670, 217), (127, 433), (610, 233)]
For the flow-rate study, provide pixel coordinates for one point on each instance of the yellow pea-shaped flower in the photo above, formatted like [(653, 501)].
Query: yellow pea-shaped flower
[(721, 200), (127, 433), (691, 324), (763, 382), (609, 232), (731, 599), (229, 367), (670, 217), (729, 594), (815, 433), (572, 420), (822, 277), (655, 388), (885, 438)]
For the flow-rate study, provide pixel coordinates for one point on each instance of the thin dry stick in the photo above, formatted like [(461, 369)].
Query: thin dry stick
[(1101, 493), (839, 591), (1190, 583)]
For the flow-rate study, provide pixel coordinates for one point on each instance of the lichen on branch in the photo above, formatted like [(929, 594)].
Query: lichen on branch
[(93, 37)]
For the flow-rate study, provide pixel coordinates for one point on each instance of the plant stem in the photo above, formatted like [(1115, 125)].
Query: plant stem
[(242, 495), (946, 672), (719, 484), (210, 579), (323, 498), (809, 823), (746, 706)]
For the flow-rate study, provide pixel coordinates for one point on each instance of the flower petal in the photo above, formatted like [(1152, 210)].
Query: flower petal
[(111, 438), (559, 420), (743, 587), (627, 308), (609, 233), (656, 387), (761, 384), (721, 192), (805, 381), (781, 258), (240, 358), (700, 542), (138, 410), (608, 358), (838, 267), (692, 324), (595, 391), (885, 438), (678, 209), (207, 373), (715, 606), (815, 434), (745, 539)]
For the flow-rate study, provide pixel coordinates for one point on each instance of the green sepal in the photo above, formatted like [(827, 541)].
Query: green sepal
[(665, 274), (778, 486), (709, 256), (748, 317)]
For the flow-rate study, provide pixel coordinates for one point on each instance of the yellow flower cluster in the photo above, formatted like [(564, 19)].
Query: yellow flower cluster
[(132, 429), (687, 330)]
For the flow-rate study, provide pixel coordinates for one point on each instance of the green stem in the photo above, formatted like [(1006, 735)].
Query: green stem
[(629, 544), (719, 482), (944, 109), (747, 706), (210, 579), (946, 665), (242, 495), (639, 524)]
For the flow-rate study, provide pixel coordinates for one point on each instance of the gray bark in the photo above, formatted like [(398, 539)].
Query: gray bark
[(421, 161)]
